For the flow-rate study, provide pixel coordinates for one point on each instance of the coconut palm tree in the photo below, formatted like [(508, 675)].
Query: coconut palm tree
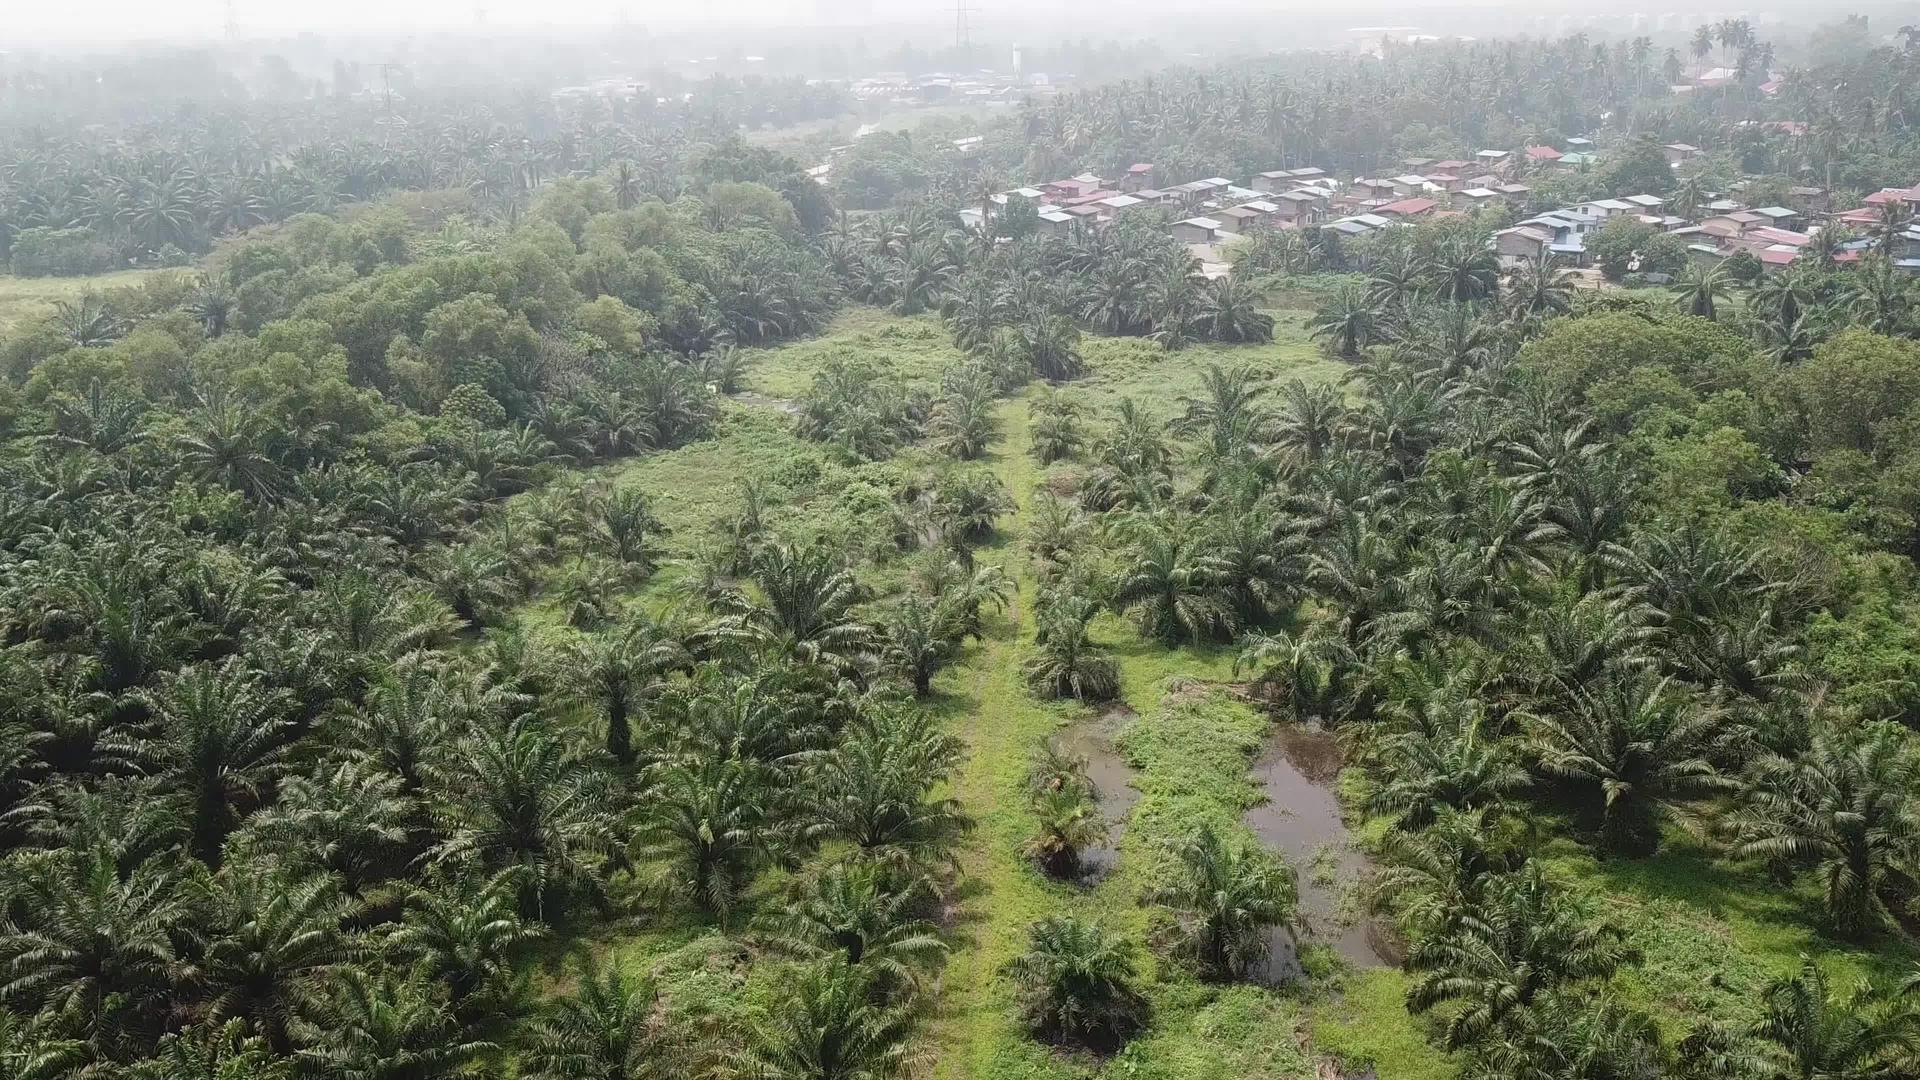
[(1226, 896), (1075, 982)]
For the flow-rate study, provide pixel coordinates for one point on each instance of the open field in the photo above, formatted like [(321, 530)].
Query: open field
[(24, 298)]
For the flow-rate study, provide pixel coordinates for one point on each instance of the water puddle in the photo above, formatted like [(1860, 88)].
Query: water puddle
[(1300, 820), (1094, 741)]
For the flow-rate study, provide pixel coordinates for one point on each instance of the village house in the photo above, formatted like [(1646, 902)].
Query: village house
[(1406, 208), (1373, 190), (1302, 206), (1678, 152), (969, 146), (1809, 200), (1578, 145), (1491, 157), (1408, 184), (1196, 230), (1446, 182), (1521, 244), (1575, 159), (1238, 219), (1272, 180), (1452, 165), (1138, 176), (1475, 198), (1114, 204), (1609, 208), (1733, 224), (1513, 193), (1543, 155), (1156, 197), (1056, 222), (1779, 216), (1645, 202)]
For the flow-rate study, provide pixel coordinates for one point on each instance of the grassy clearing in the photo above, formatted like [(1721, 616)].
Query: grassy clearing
[(24, 298), (1714, 932), (1138, 368), (915, 349)]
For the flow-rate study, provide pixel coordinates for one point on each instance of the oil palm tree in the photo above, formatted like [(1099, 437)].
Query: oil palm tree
[(269, 946), (604, 1030), (1842, 807), (1075, 982), (1641, 745), (387, 1026), (1701, 289), (711, 822), (1066, 661), (219, 737), (829, 1023), (519, 799), (1348, 322), (618, 670), (464, 935), (1226, 896), (1522, 940), (1809, 1031), (1427, 774), (875, 789), (867, 914)]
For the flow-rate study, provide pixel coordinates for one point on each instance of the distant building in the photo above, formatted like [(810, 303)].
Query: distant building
[(1678, 152), (1196, 230)]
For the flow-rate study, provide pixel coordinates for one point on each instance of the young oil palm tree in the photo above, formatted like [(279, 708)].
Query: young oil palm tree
[(867, 914), (619, 669), (1522, 940), (830, 1024), (1066, 661), (1069, 822), (1807, 1029), (1075, 983), (604, 1030), (1226, 896), (1348, 322)]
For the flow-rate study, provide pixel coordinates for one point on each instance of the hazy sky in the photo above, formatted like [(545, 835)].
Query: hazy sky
[(196, 18)]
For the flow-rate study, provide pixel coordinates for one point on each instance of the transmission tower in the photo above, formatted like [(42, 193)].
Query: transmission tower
[(962, 36)]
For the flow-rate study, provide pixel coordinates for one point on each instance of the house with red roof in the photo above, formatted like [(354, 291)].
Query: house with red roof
[(1543, 154), (1406, 208)]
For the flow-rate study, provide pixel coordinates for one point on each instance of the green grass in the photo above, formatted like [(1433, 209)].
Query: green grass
[(24, 298), (915, 349), (1156, 378), (1714, 931)]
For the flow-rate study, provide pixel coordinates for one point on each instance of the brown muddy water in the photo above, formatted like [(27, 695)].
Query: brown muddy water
[(1094, 741), (1300, 820)]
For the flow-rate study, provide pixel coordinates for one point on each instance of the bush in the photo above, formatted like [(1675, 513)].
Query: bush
[(45, 252)]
